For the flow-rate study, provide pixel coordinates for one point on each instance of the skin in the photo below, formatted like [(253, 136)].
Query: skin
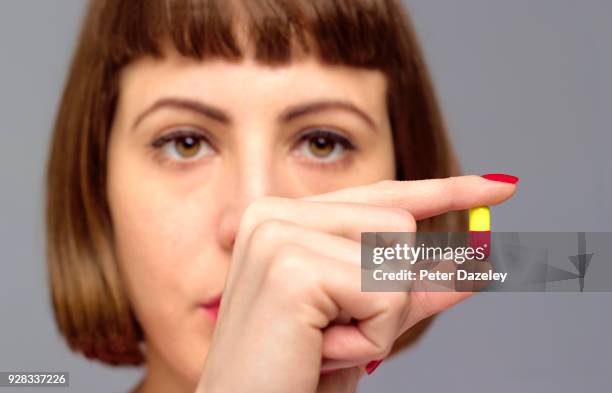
[(265, 216)]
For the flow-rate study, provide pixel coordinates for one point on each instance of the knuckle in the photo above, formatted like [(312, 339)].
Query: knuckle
[(268, 231), (288, 260), (384, 351), (396, 306), (394, 302), (259, 208), (256, 212), (286, 264), (382, 348), (265, 239)]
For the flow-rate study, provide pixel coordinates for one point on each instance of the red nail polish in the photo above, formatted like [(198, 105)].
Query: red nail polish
[(370, 367), (502, 177)]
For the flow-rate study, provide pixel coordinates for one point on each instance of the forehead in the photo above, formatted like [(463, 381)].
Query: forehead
[(175, 74), (228, 82)]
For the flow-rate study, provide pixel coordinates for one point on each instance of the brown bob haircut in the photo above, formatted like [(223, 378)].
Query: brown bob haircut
[(90, 305)]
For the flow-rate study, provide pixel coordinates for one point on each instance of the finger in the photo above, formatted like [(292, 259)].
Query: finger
[(427, 303), (329, 365), (278, 233), (280, 226), (326, 286), (272, 222), (429, 298), (425, 198), (339, 218), (340, 381), (377, 316), (274, 233)]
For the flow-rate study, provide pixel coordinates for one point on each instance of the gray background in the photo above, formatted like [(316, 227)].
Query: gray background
[(527, 89)]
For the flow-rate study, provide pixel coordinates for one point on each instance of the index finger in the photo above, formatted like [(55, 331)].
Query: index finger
[(425, 198)]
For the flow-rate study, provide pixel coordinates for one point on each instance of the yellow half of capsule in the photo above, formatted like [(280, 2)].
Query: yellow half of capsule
[(480, 218)]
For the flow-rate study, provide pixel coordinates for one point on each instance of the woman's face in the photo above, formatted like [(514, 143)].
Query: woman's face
[(193, 143)]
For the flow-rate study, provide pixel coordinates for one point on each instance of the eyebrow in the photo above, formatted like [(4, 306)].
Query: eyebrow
[(184, 103), (288, 114), (320, 106)]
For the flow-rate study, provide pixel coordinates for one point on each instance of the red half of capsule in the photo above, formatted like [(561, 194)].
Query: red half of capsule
[(481, 239)]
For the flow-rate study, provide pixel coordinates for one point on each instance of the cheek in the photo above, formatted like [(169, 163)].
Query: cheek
[(157, 236), (163, 242), (165, 245)]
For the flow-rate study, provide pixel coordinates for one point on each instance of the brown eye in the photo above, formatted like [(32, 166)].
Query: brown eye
[(324, 146), (321, 146), (184, 145), (187, 147)]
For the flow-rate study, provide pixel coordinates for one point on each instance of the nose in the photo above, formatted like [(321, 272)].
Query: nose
[(246, 181), (242, 189)]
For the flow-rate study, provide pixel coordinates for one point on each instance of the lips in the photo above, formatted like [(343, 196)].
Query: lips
[(212, 307)]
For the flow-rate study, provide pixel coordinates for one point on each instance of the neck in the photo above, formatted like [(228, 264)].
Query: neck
[(160, 377)]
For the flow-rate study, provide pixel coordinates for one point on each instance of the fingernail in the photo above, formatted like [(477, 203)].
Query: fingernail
[(502, 177), (370, 367)]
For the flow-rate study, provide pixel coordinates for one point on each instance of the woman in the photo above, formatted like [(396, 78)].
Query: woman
[(240, 148)]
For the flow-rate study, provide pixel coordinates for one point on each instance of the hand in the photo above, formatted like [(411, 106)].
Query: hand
[(295, 281)]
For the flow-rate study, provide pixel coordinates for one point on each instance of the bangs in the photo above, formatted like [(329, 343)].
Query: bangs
[(361, 33)]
